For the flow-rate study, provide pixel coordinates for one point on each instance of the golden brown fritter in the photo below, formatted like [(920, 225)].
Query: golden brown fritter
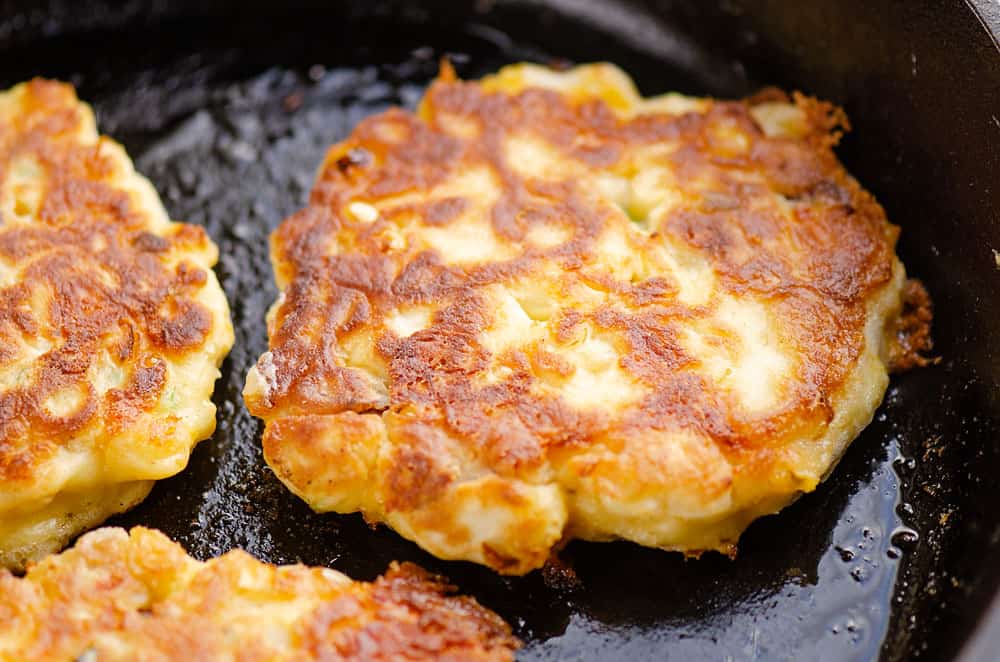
[(544, 307), (112, 326), (139, 596)]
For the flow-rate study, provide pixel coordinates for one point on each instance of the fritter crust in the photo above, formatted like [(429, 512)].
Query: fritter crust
[(544, 307), (139, 596), (112, 326)]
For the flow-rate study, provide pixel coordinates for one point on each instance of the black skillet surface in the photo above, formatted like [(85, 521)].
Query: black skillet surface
[(229, 112)]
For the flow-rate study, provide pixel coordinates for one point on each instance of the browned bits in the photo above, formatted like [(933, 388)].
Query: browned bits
[(111, 326), (556, 306), (912, 339), (123, 596), (98, 278)]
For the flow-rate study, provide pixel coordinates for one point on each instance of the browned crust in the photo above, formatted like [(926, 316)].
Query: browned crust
[(912, 340), (107, 282), (774, 215), (140, 596), (819, 270), (410, 616)]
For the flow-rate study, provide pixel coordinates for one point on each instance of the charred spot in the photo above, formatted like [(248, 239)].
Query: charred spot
[(354, 158)]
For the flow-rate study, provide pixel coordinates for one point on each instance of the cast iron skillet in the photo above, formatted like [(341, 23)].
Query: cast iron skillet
[(228, 107)]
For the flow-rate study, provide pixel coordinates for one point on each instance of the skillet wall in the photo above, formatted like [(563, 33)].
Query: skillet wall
[(921, 82)]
